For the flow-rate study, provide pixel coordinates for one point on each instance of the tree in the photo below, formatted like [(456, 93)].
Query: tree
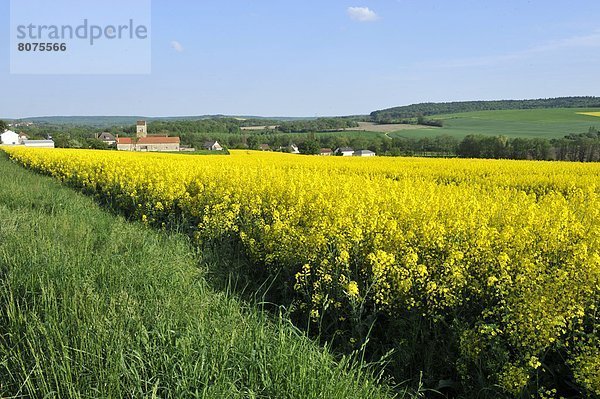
[(95, 144), (252, 142), (471, 146), (310, 147), (3, 126)]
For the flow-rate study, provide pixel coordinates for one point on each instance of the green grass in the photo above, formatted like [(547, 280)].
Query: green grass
[(92, 306), (548, 123), (350, 134)]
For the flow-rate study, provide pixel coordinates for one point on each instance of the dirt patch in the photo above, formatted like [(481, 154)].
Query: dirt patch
[(259, 127), (373, 127)]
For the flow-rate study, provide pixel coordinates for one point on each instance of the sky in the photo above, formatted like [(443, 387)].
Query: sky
[(326, 58)]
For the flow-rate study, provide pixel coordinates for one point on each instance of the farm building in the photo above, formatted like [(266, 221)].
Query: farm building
[(159, 144), (9, 138), (149, 144), (125, 144), (212, 146), (326, 152), (344, 151), (264, 147), (364, 153), (39, 143)]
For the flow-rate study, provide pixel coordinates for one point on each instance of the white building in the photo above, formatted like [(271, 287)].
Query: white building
[(39, 143), (344, 151), (212, 146), (9, 138), (364, 153)]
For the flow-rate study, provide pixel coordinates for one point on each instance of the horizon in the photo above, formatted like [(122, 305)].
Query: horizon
[(307, 60), (207, 116)]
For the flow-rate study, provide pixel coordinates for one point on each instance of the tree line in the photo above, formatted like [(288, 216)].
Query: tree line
[(582, 147), (317, 125)]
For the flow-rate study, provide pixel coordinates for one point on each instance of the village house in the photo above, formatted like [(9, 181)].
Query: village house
[(264, 147), (212, 146), (107, 138), (9, 138), (326, 152), (344, 151), (364, 153), (125, 144), (20, 124)]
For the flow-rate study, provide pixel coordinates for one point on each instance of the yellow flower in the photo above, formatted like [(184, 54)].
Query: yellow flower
[(352, 289), (433, 236)]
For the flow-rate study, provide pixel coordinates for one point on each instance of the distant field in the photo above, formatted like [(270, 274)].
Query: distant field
[(258, 127), (373, 127), (549, 123), (590, 113)]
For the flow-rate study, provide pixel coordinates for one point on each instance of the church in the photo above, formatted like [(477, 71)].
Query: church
[(144, 143)]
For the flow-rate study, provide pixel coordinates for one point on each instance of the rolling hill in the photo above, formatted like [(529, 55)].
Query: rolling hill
[(547, 123), (428, 109)]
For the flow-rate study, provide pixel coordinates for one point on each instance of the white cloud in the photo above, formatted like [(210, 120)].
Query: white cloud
[(177, 46), (362, 14), (589, 41)]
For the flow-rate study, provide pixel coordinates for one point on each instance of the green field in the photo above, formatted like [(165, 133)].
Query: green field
[(93, 306), (547, 123)]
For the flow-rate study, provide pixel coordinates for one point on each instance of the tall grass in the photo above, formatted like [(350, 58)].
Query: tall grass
[(92, 306)]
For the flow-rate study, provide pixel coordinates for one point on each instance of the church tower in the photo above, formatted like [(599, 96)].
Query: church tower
[(142, 129)]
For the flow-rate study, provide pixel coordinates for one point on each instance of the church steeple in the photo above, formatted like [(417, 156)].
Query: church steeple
[(141, 129)]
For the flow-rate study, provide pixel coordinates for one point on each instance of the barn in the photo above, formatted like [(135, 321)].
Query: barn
[(9, 138)]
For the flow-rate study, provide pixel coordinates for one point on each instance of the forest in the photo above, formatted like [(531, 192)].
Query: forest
[(397, 114)]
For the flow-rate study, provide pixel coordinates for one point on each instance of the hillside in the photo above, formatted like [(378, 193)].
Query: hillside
[(427, 109), (543, 123)]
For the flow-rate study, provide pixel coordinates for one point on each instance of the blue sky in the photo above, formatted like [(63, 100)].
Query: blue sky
[(333, 57)]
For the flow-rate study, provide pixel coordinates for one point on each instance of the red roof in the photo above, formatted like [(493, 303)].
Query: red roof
[(159, 140), (150, 140)]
